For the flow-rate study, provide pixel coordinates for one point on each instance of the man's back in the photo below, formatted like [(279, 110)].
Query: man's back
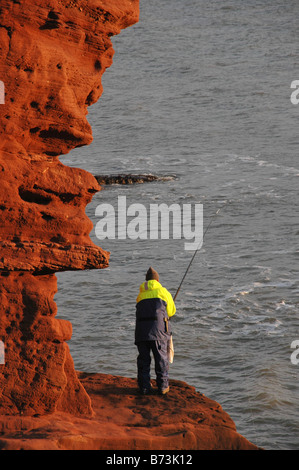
[(154, 306)]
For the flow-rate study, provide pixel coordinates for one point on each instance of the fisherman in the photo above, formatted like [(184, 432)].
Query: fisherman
[(152, 332)]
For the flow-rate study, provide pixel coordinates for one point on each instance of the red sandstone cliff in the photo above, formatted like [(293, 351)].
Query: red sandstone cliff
[(53, 54)]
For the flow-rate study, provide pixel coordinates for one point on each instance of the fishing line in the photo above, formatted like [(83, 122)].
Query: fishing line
[(198, 248), (191, 261)]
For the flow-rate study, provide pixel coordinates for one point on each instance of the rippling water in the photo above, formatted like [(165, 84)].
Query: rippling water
[(202, 90)]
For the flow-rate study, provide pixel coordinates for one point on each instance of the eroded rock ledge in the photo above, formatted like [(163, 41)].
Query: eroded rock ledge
[(123, 420)]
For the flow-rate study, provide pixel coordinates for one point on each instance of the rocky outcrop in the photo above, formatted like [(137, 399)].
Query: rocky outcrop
[(124, 420), (53, 54)]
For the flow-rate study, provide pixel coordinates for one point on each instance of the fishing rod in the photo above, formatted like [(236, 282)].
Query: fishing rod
[(198, 248)]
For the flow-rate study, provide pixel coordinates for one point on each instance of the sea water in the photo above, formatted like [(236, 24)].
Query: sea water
[(201, 90)]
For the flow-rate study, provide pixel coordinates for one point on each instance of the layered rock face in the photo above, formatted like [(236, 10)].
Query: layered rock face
[(53, 54)]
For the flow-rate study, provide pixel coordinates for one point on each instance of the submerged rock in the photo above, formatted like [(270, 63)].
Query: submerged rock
[(131, 179)]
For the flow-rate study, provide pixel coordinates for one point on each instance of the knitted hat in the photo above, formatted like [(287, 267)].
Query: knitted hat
[(151, 274)]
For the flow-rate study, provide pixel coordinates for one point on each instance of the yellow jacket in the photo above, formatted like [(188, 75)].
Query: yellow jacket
[(153, 289)]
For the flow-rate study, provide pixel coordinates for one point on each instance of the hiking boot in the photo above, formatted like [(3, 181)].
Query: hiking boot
[(145, 391), (164, 391)]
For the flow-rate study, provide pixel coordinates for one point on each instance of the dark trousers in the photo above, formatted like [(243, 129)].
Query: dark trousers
[(159, 350)]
